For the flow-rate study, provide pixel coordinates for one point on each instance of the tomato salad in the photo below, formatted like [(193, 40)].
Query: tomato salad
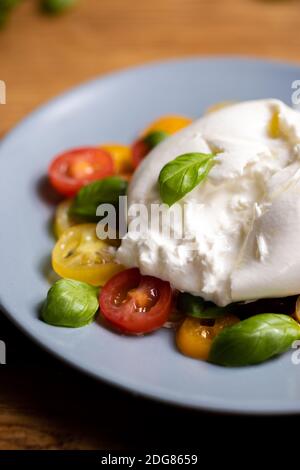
[(93, 284)]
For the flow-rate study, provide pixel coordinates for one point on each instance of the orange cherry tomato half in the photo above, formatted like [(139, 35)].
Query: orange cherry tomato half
[(171, 124), (121, 155), (71, 170), (134, 303)]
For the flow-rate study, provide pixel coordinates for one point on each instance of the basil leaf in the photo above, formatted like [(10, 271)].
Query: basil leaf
[(6, 6), (105, 191), (197, 307), (70, 303), (154, 138), (254, 340), (56, 6), (179, 176)]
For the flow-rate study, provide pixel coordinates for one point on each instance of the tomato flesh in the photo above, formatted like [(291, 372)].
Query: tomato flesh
[(170, 124), (71, 170), (121, 155), (166, 124), (139, 150), (80, 255), (194, 337), (134, 303), (62, 219), (80, 169)]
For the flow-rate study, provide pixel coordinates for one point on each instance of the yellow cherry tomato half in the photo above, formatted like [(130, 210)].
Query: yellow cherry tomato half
[(194, 339), (121, 155), (194, 336), (169, 124), (62, 219), (80, 255)]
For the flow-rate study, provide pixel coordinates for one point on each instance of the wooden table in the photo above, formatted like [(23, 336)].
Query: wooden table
[(44, 404)]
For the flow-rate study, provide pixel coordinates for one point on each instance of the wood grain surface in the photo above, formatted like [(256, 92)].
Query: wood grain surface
[(43, 404)]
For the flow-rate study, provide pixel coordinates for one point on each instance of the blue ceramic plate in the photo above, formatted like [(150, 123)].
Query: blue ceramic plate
[(115, 108)]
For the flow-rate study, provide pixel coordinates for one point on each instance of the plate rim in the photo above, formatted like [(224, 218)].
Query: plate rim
[(114, 74), (258, 407)]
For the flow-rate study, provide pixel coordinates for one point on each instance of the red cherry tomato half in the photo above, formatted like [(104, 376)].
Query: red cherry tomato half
[(134, 303), (71, 170), (139, 150)]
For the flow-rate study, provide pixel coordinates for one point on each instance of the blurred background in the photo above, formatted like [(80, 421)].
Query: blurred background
[(44, 404), (44, 54)]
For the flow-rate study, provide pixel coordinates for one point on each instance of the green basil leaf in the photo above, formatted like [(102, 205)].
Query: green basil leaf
[(179, 176), (254, 340), (105, 191), (6, 6), (56, 6), (70, 303), (154, 138), (197, 307)]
